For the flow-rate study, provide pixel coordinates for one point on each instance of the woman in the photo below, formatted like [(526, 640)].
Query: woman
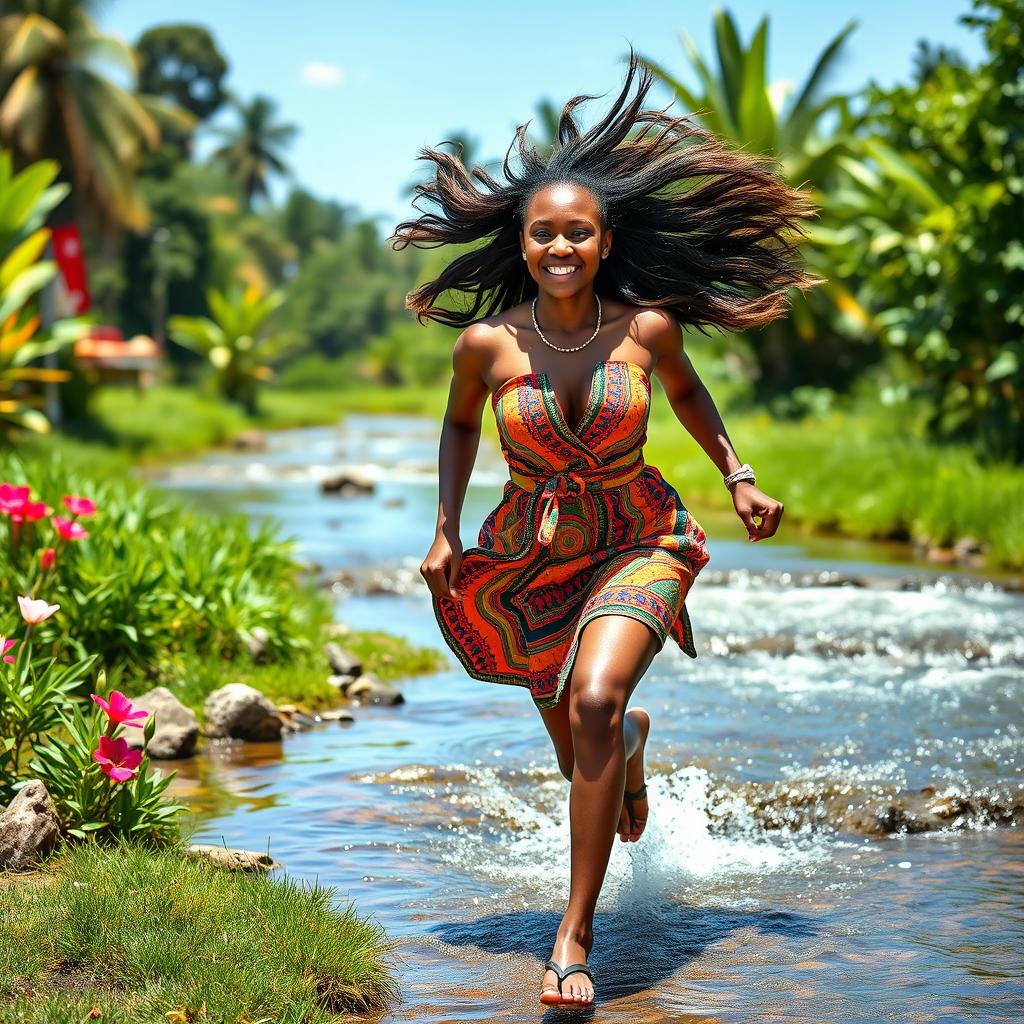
[(592, 259)]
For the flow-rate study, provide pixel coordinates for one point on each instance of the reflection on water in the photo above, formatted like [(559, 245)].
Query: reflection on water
[(765, 887)]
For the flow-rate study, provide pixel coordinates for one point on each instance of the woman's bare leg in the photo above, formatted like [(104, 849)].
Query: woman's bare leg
[(614, 652), (636, 728)]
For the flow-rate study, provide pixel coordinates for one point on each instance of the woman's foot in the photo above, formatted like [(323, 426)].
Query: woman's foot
[(577, 988), (630, 832)]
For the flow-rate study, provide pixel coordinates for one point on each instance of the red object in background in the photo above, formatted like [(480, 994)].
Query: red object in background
[(67, 251)]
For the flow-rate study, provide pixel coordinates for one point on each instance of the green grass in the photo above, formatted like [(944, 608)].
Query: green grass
[(302, 680), (162, 423), (154, 937), (167, 423), (854, 475)]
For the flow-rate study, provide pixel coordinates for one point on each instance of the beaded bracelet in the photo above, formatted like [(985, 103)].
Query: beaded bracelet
[(745, 472)]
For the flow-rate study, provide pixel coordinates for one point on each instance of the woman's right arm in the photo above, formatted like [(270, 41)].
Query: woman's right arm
[(460, 439)]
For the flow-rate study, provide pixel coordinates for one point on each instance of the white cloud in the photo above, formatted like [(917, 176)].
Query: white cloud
[(316, 73)]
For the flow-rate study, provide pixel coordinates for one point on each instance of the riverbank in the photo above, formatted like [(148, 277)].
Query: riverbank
[(167, 423), (124, 935), (863, 474), (189, 599)]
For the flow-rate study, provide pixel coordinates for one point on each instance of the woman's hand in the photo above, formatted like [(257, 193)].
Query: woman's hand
[(750, 503), (441, 565)]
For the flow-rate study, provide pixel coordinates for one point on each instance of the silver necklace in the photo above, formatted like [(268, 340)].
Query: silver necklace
[(557, 348)]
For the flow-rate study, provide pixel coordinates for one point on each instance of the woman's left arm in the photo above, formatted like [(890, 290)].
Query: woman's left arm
[(695, 409)]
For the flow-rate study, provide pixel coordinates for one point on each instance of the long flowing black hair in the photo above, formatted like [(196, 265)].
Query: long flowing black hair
[(701, 228)]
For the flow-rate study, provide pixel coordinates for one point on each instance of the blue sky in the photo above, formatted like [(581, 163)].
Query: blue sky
[(369, 83)]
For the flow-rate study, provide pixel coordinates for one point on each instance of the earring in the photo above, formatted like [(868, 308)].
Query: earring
[(524, 255)]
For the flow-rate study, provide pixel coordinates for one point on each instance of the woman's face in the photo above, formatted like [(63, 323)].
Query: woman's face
[(562, 238)]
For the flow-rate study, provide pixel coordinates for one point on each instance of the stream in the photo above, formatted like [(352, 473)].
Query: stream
[(833, 782)]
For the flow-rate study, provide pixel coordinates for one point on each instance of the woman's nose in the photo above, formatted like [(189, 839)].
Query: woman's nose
[(561, 245)]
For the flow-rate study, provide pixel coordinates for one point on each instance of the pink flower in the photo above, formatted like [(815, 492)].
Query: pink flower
[(30, 510), (69, 529), (5, 646), (12, 498), (80, 506), (35, 611), (117, 759), (119, 709), (46, 559)]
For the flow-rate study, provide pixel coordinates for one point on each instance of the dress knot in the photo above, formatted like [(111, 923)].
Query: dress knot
[(561, 485)]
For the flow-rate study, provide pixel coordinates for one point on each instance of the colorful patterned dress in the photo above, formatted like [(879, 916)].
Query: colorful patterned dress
[(584, 528)]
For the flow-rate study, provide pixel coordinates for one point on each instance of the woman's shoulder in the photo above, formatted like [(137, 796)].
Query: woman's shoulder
[(652, 328), (489, 329)]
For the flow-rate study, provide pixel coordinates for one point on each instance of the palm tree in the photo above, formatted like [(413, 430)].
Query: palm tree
[(737, 102), (251, 151), (56, 103)]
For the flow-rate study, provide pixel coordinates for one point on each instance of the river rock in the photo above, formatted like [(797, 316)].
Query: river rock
[(28, 826), (940, 555), (232, 860), (339, 581), (346, 484), (340, 715), (296, 720), (177, 727), (341, 683), (250, 441), (342, 662), (240, 712), (368, 689)]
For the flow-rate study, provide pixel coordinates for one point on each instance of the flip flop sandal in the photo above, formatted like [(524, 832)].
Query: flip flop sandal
[(629, 797), (562, 973)]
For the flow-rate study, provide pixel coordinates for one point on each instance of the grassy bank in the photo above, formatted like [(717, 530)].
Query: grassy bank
[(853, 475), (123, 935), (168, 423)]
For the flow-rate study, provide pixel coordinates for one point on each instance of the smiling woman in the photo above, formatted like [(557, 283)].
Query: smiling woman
[(701, 229), (623, 234)]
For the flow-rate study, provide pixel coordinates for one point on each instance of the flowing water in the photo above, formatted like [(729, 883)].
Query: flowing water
[(836, 784)]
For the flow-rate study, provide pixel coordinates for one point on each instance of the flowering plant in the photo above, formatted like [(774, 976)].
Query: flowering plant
[(100, 785), (98, 782)]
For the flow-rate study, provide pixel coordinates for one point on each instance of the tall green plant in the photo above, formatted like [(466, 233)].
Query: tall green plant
[(25, 200), (737, 101), (101, 788), (235, 340)]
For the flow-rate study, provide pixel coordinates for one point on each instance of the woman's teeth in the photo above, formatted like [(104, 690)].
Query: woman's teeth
[(561, 271)]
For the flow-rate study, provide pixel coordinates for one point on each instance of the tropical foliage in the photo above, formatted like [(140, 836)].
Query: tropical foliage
[(931, 226), (25, 199), (808, 131), (145, 583), (99, 785), (56, 102), (235, 340)]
